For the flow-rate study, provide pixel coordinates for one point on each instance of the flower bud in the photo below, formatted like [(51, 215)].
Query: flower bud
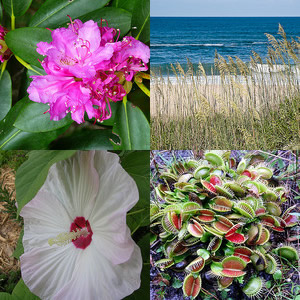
[(5, 53)]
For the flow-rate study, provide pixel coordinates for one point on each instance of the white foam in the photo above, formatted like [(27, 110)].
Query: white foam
[(186, 45)]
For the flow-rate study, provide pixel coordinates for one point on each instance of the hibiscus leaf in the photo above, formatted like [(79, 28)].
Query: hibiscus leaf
[(22, 292), (136, 164), (5, 94), (32, 174), (33, 118), (16, 7), (14, 138), (141, 20), (132, 127), (86, 140), (19, 248), (116, 17), (54, 12), (22, 42), (125, 4)]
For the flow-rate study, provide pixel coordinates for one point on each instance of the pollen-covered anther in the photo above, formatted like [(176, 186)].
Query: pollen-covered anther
[(65, 238)]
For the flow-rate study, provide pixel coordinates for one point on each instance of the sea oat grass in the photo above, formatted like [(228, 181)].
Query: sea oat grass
[(245, 106)]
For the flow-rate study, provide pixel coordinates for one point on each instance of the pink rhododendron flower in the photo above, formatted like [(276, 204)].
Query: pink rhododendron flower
[(76, 241), (5, 52), (82, 63)]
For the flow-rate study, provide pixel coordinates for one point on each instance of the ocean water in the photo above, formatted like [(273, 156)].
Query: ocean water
[(175, 39)]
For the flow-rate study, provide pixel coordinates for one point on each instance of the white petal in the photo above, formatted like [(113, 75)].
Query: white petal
[(99, 279), (118, 192), (75, 182), (114, 245), (46, 270), (44, 218)]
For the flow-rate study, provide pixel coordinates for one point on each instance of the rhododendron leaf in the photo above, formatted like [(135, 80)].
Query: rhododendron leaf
[(125, 4), (1, 12), (116, 17), (17, 7), (85, 139), (132, 127), (5, 94), (32, 174), (141, 20), (33, 118), (191, 286), (22, 42), (14, 138), (53, 13)]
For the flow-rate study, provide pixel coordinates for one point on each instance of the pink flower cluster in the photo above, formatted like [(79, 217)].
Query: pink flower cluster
[(5, 53), (85, 70)]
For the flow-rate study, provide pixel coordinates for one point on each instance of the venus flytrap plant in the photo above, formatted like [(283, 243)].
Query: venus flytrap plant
[(230, 210)]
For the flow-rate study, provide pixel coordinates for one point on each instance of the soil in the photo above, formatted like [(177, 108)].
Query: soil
[(9, 228), (163, 289)]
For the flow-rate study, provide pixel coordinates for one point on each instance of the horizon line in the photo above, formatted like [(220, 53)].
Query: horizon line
[(225, 16)]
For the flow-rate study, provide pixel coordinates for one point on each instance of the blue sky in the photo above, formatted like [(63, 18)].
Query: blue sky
[(209, 8)]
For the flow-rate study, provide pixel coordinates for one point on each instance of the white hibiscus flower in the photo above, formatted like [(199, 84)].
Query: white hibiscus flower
[(76, 241)]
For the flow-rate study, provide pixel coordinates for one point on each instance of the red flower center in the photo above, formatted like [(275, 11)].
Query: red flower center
[(82, 225)]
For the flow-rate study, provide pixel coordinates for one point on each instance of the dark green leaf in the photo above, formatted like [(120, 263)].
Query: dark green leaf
[(1, 12), (86, 140), (14, 138), (140, 99), (32, 174), (54, 12), (277, 275), (141, 20), (136, 163), (19, 248), (125, 4), (33, 118), (5, 94), (116, 17), (22, 292), (17, 7), (23, 41), (177, 283), (5, 296), (132, 127)]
